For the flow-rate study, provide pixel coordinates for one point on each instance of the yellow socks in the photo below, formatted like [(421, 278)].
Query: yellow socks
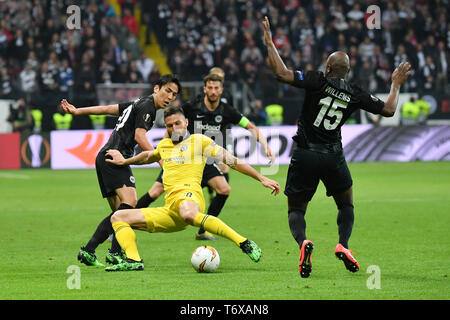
[(127, 239), (217, 226)]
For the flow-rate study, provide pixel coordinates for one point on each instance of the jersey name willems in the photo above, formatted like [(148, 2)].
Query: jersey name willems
[(336, 93)]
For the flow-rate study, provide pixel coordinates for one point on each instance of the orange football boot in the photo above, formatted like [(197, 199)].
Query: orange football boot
[(304, 265), (346, 255)]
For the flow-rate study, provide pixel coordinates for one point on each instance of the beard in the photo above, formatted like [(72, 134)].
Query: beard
[(212, 99), (178, 135)]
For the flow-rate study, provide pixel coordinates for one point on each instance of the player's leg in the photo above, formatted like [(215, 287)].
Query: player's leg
[(216, 180), (190, 212), (117, 186), (155, 191), (338, 182), (301, 184), (123, 223), (345, 217), (345, 220), (128, 199), (225, 170)]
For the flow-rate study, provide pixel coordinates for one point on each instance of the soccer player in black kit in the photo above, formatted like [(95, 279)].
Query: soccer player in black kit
[(210, 116), (329, 101), (117, 183)]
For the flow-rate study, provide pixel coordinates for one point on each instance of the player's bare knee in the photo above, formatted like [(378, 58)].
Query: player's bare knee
[(295, 204), (117, 216), (188, 211), (156, 191), (223, 188)]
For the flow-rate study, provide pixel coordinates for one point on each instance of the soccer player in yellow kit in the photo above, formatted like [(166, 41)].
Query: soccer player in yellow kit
[(184, 157)]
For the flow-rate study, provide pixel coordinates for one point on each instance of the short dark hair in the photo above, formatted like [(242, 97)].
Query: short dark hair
[(173, 110), (213, 77), (168, 78)]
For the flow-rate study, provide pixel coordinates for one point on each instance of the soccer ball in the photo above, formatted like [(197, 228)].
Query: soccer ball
[(205, 259)]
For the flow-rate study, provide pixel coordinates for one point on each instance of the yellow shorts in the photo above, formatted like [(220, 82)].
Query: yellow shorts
[(167, 218)]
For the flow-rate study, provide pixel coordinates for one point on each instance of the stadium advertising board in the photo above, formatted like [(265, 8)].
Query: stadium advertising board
[(77, 149), (10, 151)]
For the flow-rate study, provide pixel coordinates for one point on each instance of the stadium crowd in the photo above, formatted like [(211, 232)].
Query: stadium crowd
[(44, 60), (200, 34)]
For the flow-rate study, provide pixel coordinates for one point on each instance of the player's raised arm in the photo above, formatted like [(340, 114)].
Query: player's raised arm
[(279, 69), (399, 77), (223, 155), (144, 157), (112, 109)]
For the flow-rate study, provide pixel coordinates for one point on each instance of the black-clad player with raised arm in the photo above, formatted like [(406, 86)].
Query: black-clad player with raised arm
[(329, 101), (117, 183)]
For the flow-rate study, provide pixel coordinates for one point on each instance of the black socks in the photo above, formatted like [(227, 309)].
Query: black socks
[(345, 220), (144, 201), (104, 229), (297, 225)]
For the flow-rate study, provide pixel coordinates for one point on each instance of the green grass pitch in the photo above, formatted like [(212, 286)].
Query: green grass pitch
[(401, 239)]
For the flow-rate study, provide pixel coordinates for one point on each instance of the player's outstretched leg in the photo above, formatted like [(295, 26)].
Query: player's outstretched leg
[(304, 264), (346, 256), (217, 226), (250, 248)]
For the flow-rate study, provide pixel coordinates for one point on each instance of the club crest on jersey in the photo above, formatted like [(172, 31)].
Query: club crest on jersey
[(183, 148), (146, 117), (218, 118)]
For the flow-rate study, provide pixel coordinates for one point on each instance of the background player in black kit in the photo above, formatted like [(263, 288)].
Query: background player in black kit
[(117, 183), (210, 116), (329, 101)]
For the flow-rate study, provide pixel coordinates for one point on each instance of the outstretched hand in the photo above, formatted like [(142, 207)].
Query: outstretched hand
[(271, 184), (67, 107), (267, 32), (401, 73)]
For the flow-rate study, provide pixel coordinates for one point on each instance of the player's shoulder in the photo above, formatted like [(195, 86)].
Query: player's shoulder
[(145, 102), (310, 75), (165, 142), (201, 137), (310, 79)]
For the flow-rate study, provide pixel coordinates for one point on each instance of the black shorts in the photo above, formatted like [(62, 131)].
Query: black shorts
[(308, 167), (111, 177), (210, 171)]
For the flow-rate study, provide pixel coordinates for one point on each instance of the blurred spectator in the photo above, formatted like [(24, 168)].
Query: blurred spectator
[(154, 76), (428, 74), (106, 72), (66, 79), (6, 87), (129, 21), (366, 48), (252, 54), (28, 82), (442, 61), (47, 80), (145, 65), (20, 116), (258, 115)]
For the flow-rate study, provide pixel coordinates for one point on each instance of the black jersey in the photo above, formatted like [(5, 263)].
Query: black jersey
[(134, 114), (328, 103), (210, 123)]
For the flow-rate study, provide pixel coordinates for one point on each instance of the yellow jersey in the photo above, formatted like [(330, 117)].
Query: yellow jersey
[(183, 163)]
